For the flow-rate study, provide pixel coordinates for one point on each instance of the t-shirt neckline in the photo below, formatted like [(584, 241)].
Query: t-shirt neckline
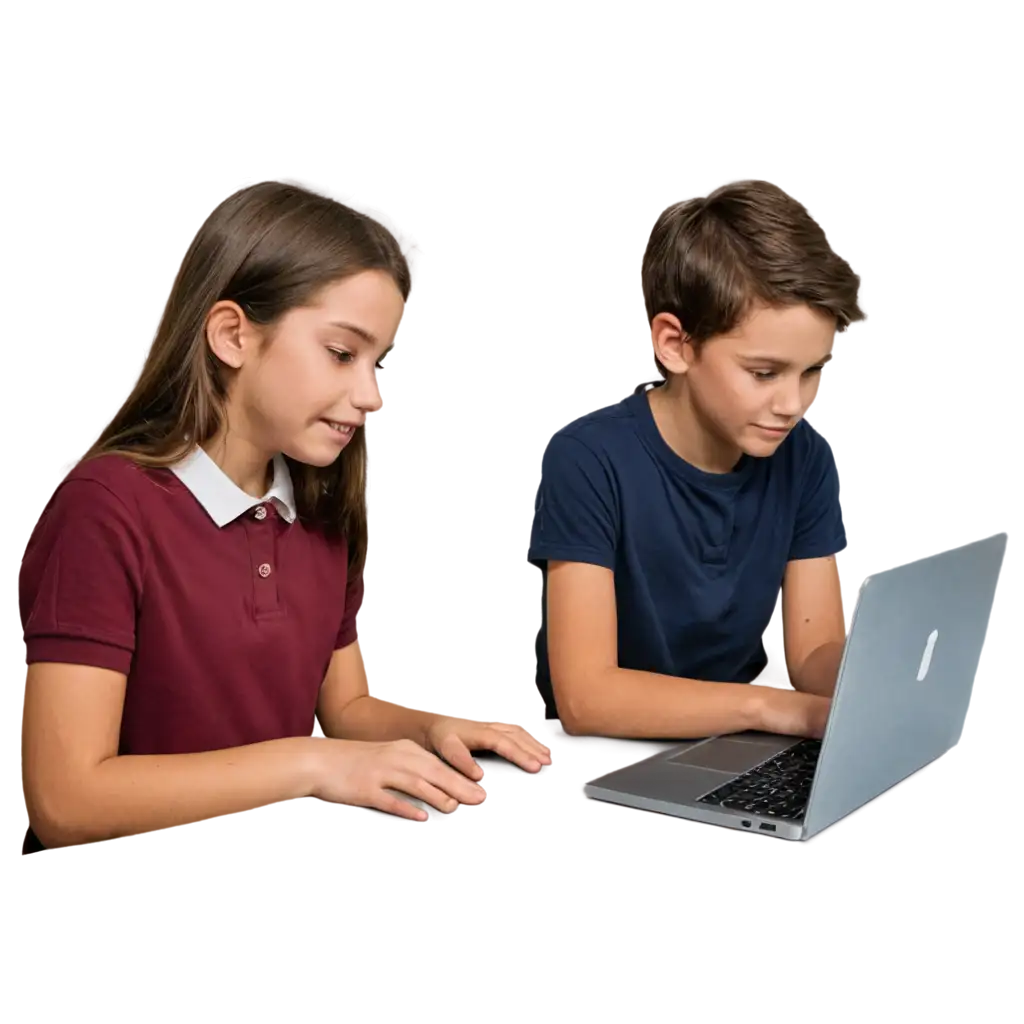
[(640, 406)]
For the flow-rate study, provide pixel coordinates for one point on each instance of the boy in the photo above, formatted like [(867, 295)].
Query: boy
[(666, 525)]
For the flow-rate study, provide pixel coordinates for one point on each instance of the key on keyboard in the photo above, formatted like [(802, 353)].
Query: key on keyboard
[(778, 788)]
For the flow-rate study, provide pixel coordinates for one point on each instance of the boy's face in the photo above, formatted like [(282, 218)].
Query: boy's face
[(751, 386)]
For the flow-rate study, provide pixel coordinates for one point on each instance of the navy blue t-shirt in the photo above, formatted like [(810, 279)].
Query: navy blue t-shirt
[(698, 557)]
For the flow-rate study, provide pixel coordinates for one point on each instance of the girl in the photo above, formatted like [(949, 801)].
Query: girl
[(666, 525), (189, 595)]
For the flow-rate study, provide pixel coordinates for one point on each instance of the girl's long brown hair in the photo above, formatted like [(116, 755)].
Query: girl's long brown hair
[(270, 248)]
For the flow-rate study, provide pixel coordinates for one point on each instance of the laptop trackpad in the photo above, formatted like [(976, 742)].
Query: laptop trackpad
[(731, 755)]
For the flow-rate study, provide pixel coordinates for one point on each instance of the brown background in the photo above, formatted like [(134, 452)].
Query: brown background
[(118, 127)]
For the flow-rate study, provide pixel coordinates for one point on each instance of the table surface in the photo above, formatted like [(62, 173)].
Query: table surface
[(532, 811), (519, 807)]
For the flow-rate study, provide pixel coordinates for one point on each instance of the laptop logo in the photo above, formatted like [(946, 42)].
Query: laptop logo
[(926, 658)]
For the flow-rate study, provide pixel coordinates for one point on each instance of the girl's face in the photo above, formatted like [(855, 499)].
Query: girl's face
[(308, 385)]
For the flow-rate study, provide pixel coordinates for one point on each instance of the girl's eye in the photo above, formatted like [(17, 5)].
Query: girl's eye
[(382, 366), (814, 369)]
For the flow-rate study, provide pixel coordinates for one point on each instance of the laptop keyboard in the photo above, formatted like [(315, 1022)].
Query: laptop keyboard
[(777, 788)]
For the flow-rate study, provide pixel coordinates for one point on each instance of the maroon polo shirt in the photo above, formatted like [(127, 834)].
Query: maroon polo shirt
[(221, 612)]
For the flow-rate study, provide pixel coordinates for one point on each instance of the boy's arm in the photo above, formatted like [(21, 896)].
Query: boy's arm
[(812, 603), (596, 697), (814, 630)]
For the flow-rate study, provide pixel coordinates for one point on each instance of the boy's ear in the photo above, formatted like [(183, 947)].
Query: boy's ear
[(672, 345)]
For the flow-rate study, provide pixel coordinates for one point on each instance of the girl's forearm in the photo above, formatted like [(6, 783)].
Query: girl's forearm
[(371, 719), (129, 794)]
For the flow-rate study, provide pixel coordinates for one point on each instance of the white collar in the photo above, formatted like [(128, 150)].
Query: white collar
[(223, 500)]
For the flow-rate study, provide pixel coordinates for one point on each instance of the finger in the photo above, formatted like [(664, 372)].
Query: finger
[(457, 754), (455, 782), (390, 803), (505, 746), (415, 785), (524, 739)]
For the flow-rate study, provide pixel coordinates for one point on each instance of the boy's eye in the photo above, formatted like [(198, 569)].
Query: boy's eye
[(772, 374)]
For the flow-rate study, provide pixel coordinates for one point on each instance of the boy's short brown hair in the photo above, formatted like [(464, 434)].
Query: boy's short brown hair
[(708, 260)]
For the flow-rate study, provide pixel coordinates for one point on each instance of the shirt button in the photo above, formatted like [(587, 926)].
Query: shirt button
[(260, 513), (264, 570)]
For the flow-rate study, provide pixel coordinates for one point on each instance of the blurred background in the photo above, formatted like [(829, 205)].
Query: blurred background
[(521, 151)]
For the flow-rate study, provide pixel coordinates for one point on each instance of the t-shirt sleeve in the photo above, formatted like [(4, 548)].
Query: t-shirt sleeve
[(81, 580), (576, 512), (353, 601), (819, 527)]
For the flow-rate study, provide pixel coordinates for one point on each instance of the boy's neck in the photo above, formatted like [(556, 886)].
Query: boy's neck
[(683, 430)]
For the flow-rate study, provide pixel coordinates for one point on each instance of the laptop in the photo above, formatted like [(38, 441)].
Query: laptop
[(900, 701)]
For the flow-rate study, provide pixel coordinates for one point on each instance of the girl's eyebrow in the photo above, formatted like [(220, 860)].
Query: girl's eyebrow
[(359, 331)]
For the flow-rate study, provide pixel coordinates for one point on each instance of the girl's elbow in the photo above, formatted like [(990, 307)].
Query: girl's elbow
[(53, 830), (56, 819)]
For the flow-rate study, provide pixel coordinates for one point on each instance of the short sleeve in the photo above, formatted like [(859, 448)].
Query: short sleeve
[(819, 527), (81, 580), (353, 602), (576, 512)]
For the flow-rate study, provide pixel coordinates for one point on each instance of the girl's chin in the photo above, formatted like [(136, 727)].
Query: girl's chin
[(319, 456)]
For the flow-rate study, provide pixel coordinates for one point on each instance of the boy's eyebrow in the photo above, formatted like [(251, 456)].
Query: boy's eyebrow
[(355, 329), (782, 363)]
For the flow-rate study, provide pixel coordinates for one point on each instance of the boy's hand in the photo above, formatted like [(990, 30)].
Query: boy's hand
[(794, 714), (454, 738)]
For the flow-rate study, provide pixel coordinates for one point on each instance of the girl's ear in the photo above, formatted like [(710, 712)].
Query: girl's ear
[(228, 333)]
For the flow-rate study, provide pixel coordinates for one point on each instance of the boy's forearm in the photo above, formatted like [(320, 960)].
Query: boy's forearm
[(129, 794), (646, 705), (820, 670)]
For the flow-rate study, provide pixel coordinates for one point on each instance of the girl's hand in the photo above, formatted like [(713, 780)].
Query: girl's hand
[(363, 774), (454, 738)]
